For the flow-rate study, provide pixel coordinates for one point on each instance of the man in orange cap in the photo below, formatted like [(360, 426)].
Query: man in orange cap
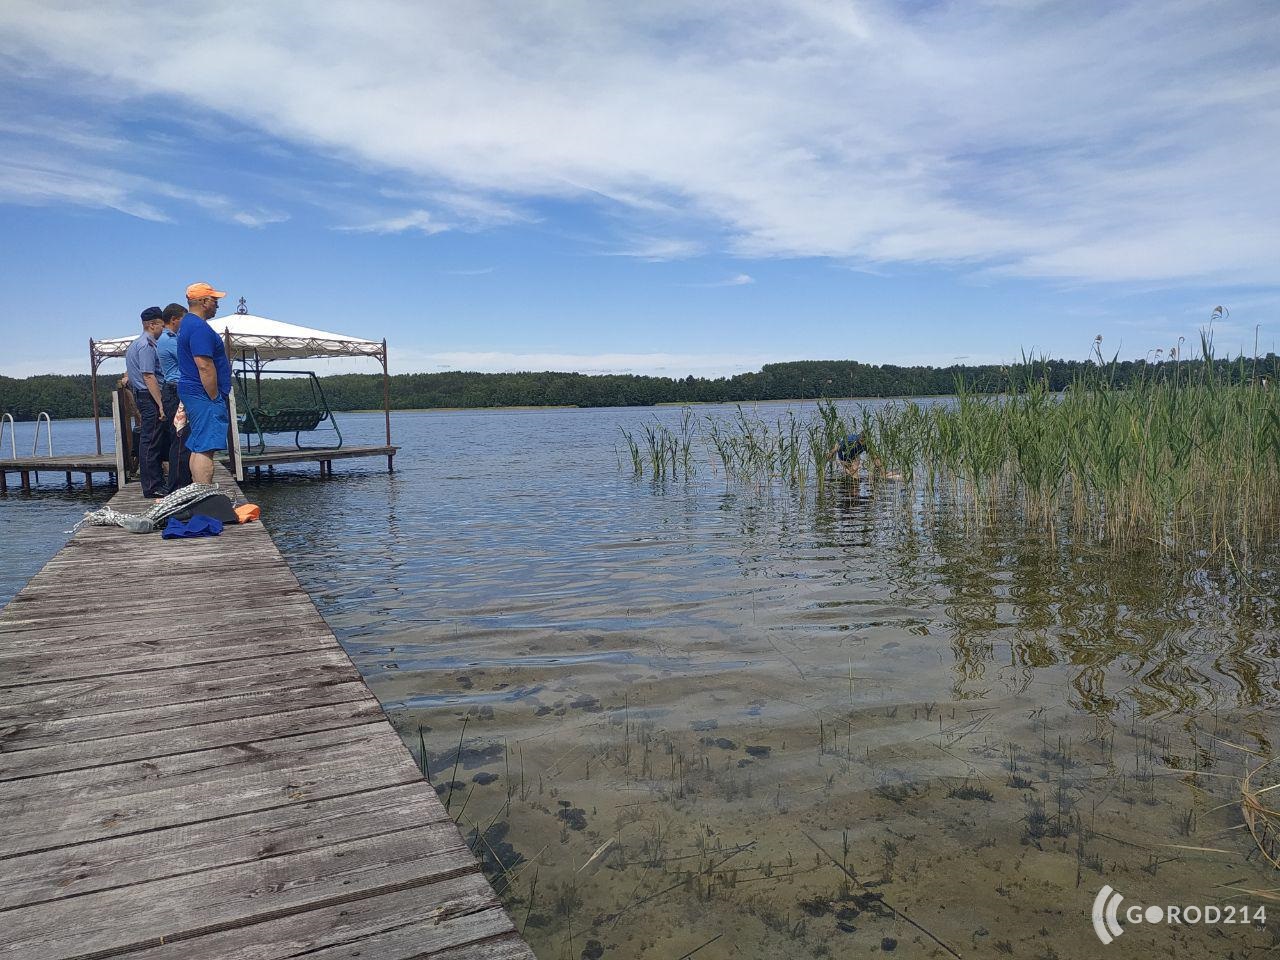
[(204, 380)]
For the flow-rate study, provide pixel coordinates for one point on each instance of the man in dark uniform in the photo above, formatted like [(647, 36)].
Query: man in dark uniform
[(143, 369), (167, 349)]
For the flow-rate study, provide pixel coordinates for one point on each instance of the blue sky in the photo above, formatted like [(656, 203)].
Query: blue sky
[(664, 188)]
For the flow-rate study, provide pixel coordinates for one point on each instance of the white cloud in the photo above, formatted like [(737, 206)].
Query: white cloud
[(32, 179), (37, 180), (1126, 141), (658, 250), (420, 221), (739, 280), (479, 210)]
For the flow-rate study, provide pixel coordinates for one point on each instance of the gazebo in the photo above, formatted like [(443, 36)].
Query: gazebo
[(254, 342)]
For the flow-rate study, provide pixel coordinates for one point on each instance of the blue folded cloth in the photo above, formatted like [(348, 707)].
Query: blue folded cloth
[(198, 526)]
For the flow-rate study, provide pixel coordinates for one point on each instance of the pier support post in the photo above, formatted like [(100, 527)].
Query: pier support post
[(121, 465), (386, 399)]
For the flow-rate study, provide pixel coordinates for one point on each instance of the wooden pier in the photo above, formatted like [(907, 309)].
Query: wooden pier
[(192, 769), (251, 461), (272, 457), (28, 467)]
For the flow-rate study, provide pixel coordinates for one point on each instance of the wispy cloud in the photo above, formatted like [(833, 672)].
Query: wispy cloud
[(39, 180), (418, 221), (659, 250), (480, 211), (740, 280), (1120, 142)]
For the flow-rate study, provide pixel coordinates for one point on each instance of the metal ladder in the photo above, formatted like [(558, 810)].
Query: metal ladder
[(48, 436), (13, 443), (48, 433)]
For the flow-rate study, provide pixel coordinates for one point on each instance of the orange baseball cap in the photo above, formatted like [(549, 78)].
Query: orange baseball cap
[(198, 291)]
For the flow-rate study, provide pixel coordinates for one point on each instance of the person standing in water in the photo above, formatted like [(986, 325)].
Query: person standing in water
[(850, 452)]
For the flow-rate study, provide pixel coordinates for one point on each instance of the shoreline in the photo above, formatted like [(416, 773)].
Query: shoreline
[(654, 406)]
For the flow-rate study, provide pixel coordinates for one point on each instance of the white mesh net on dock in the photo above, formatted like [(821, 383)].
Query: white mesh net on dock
[(149, 521)]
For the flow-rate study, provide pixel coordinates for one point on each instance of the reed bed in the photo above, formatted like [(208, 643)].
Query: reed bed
[(1189, 455)]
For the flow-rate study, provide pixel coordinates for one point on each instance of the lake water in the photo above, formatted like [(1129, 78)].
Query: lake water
[(705, 716)]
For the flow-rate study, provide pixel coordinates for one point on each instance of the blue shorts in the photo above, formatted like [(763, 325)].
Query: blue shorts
[(208, 420)]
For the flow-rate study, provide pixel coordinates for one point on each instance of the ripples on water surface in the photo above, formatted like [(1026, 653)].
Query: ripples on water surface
[(694, 714)]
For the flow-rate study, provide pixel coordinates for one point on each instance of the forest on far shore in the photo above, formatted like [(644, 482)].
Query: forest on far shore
[(65, 396)]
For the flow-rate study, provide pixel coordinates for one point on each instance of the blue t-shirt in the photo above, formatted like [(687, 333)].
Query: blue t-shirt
[(197, 339), (167, 351), (141, 359)]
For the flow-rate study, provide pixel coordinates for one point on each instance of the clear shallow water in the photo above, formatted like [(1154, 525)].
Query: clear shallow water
[(34, 524), (702, 715)]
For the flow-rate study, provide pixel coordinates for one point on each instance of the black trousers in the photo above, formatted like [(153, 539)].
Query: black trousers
[(150, 445), (179, 459)]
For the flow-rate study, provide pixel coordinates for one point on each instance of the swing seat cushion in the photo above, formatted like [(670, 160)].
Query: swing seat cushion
[(288, 420)]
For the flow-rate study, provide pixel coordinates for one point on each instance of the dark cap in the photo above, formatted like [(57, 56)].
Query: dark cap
[(152, 313)]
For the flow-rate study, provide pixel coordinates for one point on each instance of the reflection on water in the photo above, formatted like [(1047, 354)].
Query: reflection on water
[(692, 717)]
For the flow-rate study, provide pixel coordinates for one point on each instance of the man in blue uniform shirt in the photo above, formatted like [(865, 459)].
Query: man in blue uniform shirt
[(167, 350), (204, 380), (143, 369)]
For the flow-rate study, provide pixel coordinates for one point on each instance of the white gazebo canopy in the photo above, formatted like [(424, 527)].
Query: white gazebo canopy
[(254, 341), (261, 339)]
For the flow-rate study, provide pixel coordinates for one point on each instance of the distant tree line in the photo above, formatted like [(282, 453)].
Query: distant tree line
[(66, 396)]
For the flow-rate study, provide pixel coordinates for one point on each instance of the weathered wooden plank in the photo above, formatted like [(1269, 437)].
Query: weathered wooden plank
[(290, 455), (192, 847), (151, 795), (232, 618), (32, 637), (237, 587), (84, 557), (149, 593), (180, 684), (421, 922), (148, 656), (227, 897), (84, 461), (121, 780), (69, 756), (174, 719), (505, 947)]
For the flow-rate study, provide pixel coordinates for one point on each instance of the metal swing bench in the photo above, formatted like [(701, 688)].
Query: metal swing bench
[(294, 417)]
